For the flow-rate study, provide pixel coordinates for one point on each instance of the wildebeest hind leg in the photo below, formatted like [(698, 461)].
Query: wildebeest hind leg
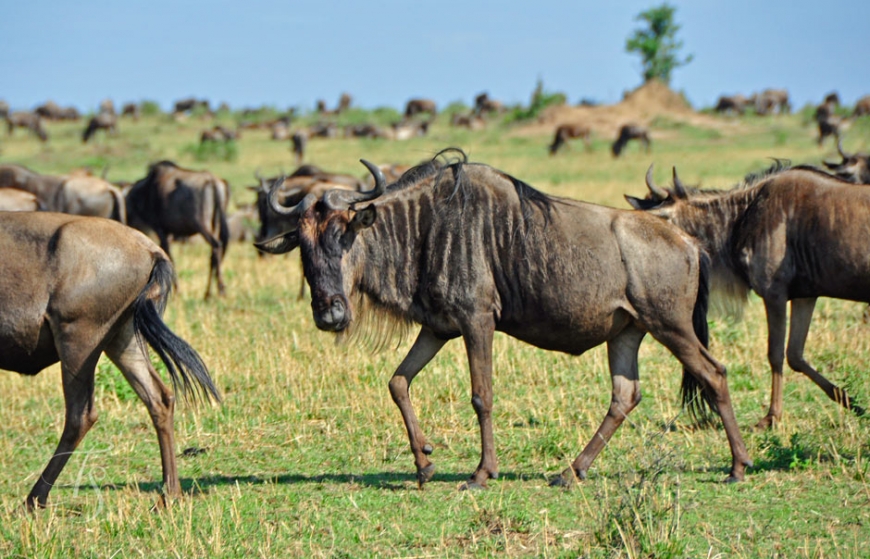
[(77, 370), (423, 350), (478, 347), (776, 325), (625, 395), (131, 357), (215, 264), (801, 317)]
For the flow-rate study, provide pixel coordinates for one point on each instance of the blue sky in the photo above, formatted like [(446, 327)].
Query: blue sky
[(291, 53)]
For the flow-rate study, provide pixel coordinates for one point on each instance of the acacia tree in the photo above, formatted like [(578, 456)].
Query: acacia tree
[(657, 43)]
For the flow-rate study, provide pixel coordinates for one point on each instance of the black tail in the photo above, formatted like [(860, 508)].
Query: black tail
[(186, 368), (697, 400)]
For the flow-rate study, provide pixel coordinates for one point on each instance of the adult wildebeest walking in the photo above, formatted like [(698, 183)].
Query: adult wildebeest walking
[(180, 202), (627, 133), (101, 121), (74, 287), (465, 250), (565, 132), (790, 234)]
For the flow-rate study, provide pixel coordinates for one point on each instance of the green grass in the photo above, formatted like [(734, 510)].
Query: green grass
[(308, 456)]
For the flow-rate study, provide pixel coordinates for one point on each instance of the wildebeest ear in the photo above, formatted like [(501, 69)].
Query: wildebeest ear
[(642, 203), (364, 218), (285, 242)]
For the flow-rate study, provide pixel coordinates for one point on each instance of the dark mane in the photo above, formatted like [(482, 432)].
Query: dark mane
[(753, 179)]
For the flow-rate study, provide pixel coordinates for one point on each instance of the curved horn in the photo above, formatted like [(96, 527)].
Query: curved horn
[(273, 198), (339, 199), (843, 154), (679, 189), (657, 192)]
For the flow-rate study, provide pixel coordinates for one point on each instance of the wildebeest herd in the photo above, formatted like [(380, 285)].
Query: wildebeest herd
[(458, 249)]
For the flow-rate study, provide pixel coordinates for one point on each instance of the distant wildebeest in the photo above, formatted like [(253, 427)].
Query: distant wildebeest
[(131, 110), (107, 106), (854, 168), (731, 103), (218, 133), (14, 200), (174, 201), (28, 120), (191, 104), (77, 288), (44, 187), (344, 102), (465, 250), (90, 196), (471, 121), (364, 131), (565, 132), (627, 133), (828, 122), (298, 142), (407, 129), (771, 100), (52, 111), (101, 121), (862, 106), (418, 106), (789, 234), (484, 105)]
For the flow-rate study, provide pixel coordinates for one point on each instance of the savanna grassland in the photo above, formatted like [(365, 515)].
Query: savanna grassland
[(307, 456)]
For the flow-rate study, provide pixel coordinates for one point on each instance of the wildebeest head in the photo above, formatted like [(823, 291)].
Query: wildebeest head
[(325, 229), (854, 168)]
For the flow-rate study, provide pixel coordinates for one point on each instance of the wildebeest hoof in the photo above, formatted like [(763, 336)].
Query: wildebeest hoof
[(425, 474), (472, 485), (427, 449), (567, 478), (733, 479)]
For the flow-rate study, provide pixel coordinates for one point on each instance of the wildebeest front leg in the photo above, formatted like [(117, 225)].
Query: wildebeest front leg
[(776, 324), (77, 370), (478, 346), (801, 316), (131, 358), (622, 359), (424, 349)]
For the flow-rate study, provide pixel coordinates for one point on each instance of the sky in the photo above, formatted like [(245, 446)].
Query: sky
[(250, 53)]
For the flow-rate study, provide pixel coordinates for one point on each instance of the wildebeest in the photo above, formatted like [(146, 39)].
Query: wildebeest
[(90, 196), (862, 106), (417, 106), (828, 122), (52, 111), (132, 110), (627, 133), (407, 129), (789, 234), (100, 121), (565, 132), (174, 201), (731, 103), (484, 105), (28, 120), (107, 106), (218, 133), (771, 100), (4, 109), (14, 200), (471, 121), (190, 104), (298, 141), (364, 131), (465, 250), (72, 288), (854, 168), (44, 187)]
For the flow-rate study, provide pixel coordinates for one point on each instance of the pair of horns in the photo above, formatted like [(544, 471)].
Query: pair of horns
[(660, 193), (335, 199)]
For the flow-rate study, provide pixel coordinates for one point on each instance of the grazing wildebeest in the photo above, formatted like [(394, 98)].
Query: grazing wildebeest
[(771, 100), (44, 187), (74, 287), (174, 201), (862, 106), (854, 168), (789, 234), (28, 120), (417, 106), (627, 133), (465, 250), (14, 200), (90, 196), (731, 103), (131, 109), (218, 133), (565, 132), (100, 121)]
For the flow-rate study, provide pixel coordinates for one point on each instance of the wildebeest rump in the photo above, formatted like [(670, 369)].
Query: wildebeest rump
[(790, 234), (174, 201), (14, 200), (74, 287), (90, 196), (465, 250)]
